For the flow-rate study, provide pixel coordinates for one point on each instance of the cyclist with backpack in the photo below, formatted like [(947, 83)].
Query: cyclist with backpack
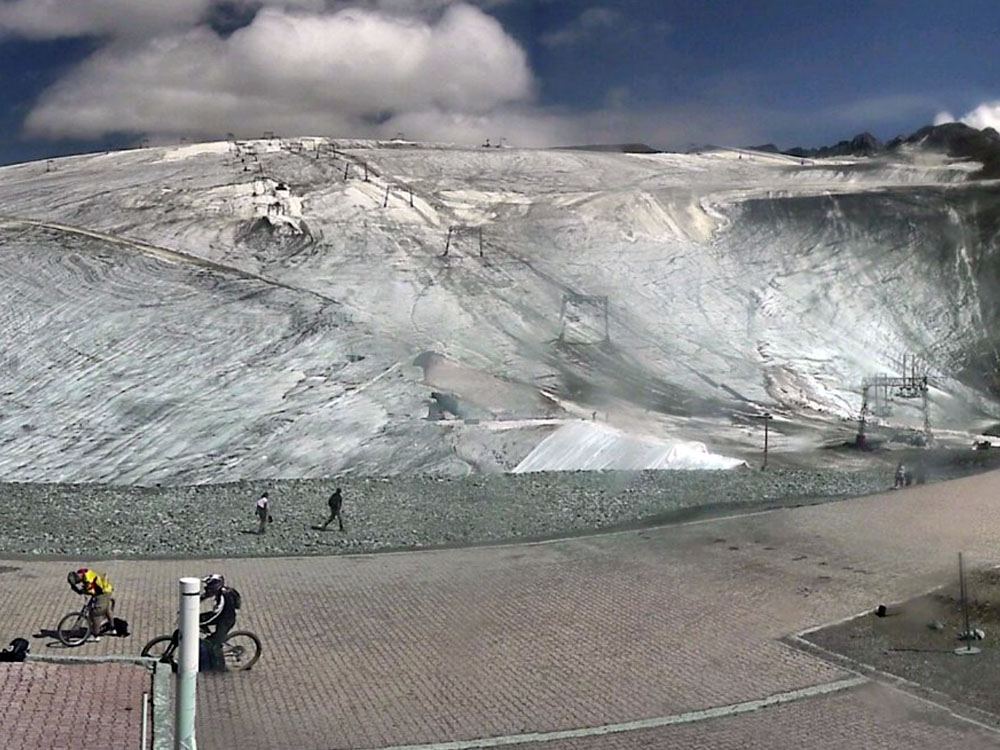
[(221, 618), (87, 582)]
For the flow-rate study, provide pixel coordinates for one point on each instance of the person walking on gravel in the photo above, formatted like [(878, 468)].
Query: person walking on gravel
[(263, 511), (335, 502), (901, 476)]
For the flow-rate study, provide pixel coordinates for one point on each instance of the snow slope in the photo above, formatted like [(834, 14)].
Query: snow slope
[(589, 446), (220, 311)]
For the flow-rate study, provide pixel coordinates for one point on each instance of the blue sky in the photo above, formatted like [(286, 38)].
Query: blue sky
[(91, 74)]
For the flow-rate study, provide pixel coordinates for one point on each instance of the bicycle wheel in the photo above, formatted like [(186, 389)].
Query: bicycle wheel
[(241, 650), (158, 647), (73, 629)]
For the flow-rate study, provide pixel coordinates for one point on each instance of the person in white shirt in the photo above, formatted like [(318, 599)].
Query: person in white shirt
[(263, 511), (901, 476)]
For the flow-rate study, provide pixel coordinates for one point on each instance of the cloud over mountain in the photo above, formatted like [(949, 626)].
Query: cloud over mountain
[(986, 115), (294, 70), (436, 70)]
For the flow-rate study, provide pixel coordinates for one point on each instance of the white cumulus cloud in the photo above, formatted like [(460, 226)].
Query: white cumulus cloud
[(436, 70), (341, 72), (986, 115), (589, 23), (52, 19), (49, 19)]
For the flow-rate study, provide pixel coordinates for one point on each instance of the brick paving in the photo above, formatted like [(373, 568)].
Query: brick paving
[(873, 717), (47, 706), (374, 651)]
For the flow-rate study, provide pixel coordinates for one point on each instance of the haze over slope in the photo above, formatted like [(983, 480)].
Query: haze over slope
[(214, 311)]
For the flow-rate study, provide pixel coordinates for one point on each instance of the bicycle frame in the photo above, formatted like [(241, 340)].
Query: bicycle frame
[(240, 651), (175, 641), (80, 621), (87, 610)]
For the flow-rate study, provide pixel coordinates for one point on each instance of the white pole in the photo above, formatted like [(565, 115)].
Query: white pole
[(187, 665), (144, 739)]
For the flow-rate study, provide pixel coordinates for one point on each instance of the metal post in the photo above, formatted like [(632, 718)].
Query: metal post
[(187, 664), (927, 412), (859, 440), (411, 197), (767, 419), (347, 166), (961, 588), (386, 201), (144, 739), (968, 648), (366, 171)]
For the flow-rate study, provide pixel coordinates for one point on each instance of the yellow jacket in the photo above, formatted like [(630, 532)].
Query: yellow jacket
[(95, 583)]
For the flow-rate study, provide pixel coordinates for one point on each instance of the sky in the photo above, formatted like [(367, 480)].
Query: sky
[(84, 75)]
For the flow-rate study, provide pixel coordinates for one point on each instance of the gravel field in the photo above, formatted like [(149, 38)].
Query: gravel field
[(904, 644), (96, 521)]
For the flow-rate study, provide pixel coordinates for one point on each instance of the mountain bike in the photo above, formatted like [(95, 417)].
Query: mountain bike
[(240, 650), (74, 628)]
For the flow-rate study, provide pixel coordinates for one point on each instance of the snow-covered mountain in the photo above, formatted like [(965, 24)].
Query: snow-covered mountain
[(261, 309)]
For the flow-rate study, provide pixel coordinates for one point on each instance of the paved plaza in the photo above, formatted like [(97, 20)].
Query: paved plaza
[(71, 706), (659, 638)]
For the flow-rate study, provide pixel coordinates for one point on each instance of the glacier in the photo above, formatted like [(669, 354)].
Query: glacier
[(286, 308)]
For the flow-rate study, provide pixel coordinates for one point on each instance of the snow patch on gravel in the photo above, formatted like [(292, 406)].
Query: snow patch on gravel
[(590, 446)]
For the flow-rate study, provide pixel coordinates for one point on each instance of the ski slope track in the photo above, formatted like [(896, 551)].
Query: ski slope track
[(216, 312)]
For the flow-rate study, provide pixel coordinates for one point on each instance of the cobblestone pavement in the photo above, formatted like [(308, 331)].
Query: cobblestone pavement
[(71, 706), (410, 648), (873, 717)]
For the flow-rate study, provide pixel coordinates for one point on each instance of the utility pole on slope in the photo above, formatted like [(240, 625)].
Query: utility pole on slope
[(766, 416)]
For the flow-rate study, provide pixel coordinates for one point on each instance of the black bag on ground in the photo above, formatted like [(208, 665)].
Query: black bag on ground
[(17, 651), (205, 659)]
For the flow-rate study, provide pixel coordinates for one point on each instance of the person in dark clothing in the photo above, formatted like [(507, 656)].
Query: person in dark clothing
[(335, 502), (221, 618)]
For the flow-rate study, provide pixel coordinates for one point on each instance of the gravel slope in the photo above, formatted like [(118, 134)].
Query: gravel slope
[(92, 521)]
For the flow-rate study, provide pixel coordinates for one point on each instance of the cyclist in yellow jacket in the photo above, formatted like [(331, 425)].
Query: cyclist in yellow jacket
[(87, 582)]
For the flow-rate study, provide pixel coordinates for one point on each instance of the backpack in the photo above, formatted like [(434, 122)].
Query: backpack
[(16, 652), (237, 599)]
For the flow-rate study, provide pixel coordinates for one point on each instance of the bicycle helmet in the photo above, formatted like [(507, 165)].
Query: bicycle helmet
[(213, 583)]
